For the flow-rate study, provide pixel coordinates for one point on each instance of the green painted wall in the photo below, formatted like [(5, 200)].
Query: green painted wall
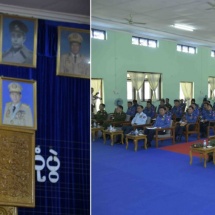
[(112, 58)]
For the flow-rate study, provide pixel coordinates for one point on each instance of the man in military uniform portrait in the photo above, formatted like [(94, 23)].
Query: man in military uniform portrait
[(18, 52), (15, 112), (74, 62)]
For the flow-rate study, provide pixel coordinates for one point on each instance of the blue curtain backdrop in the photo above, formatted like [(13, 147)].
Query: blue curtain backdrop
[(63, 119)]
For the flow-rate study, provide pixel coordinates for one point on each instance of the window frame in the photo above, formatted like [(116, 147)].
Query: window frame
[(213, 53), (187, 47), (93, 30), (144, 99), (139, 39)]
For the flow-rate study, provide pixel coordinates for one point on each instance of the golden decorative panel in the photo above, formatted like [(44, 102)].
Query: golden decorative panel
[(8, 210), (17, 182)]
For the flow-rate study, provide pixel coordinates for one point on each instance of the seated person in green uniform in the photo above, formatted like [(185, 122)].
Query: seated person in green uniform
[(118, 116), (101, 115)]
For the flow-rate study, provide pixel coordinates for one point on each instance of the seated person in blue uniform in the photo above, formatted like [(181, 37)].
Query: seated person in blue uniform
[(162, 121), (135, 104), (131, 111), (203, 110), (177, 110), (167, 104), (195, 109), (168, 112), (203, 102), (182, 104), (149, 110), (194, 101), (162, 103), (139, 119), (189, 117), (208, 116)]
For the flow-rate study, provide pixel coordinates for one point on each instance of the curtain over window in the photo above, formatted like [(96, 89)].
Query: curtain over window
[(211, 81), (137, 82), (153, 82), (187, 91)]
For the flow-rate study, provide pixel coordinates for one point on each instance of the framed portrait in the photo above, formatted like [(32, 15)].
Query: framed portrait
[(73, 54), (18, 103), (18, 41)]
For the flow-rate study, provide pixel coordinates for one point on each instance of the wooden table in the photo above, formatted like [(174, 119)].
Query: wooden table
[(135, 138), (112, 135), (204, 152), (95, 130)]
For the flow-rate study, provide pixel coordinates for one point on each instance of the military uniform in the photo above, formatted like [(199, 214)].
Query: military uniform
[(161, 122), (69, 65), (208, 116), (188, 118), (15, 112), (23, 55), (101, 116), (18, 53), (22, 115), (75, 63), (118, 117)]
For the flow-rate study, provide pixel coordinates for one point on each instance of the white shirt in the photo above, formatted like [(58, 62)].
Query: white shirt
[(139, 119)]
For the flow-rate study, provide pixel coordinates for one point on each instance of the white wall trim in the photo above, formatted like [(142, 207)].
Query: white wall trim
[(44, 14)]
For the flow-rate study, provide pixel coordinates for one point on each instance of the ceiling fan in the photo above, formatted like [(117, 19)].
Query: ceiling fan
[(131, 22), (212, 6)]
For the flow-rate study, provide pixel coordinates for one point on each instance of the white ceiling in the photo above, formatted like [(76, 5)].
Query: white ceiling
[(62, 10), (158, 15)]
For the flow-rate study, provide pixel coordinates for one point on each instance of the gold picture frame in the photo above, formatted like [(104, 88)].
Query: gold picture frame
[(18, 42), (17, 163), (73, 54), (18, 103)]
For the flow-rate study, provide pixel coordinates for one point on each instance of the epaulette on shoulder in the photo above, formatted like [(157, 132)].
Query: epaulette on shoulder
[(25, 105)]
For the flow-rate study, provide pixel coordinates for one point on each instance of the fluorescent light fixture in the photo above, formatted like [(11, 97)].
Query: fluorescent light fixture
[(183, 27)]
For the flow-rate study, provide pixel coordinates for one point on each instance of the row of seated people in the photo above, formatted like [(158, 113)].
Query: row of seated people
[(189, 121)]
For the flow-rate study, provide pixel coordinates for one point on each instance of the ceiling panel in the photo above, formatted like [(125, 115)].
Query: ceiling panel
[(159, 15)]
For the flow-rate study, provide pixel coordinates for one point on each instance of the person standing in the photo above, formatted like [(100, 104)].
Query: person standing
[(16, 112)]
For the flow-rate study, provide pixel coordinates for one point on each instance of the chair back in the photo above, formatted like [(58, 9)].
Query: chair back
[(128, 118), (169, 131), (148, 121)]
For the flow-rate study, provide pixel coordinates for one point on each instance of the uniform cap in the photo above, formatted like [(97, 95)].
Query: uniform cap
[(75, 37), (15, 87), (18, 26)]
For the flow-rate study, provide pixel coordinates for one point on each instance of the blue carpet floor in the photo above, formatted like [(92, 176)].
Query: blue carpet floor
[(151, 182)]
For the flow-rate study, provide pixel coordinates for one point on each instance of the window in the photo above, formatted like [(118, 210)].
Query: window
[(186, 91), (98, 34), (189, 90), (145, 91), (212, 53), (186, 49), (211, 87), (144, 42)]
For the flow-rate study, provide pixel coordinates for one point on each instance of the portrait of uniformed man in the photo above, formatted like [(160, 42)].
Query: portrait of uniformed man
[(16, 112), (18, 52), (74, 62)]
